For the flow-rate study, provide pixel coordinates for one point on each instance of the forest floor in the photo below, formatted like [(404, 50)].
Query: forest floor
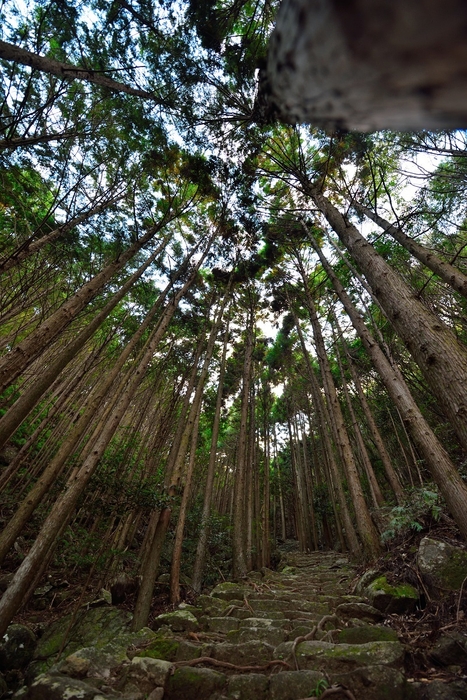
[(310, 587)]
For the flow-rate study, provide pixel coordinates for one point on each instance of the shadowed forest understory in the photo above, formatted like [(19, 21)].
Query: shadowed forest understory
[(216, 334)]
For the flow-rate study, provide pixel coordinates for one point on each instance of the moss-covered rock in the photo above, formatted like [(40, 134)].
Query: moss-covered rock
[(442, 565), (229, 591), (367, 633), (178, 621), (375, 683), (255, 652), (359, 611), (165, 649), (16, 647), (96, 627), (290, 685), (322, 656), (248, 686), (191, 683), (392, 599)]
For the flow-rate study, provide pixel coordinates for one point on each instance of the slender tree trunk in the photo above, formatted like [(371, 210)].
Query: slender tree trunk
[(63, 508), (437, 460), (16, 361), (200, 556), (238, 535), (378, 440), (15, 415), (66, 71), (375, 490), (445, 271), (435, 349), (365, 525), (32, 246), (54, 468), (179, 530), (335, 479)]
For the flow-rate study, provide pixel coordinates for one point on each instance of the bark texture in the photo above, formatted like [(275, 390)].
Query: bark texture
[(368, 64)]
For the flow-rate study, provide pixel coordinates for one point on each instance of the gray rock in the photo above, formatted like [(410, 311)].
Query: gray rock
[(360, 611), (178, 621), (271, 635), (221, 624), (339, 658), (92, 661), (147, 673), (58, 687), (374, 683), (96, 627), (442, 565), (191, 683), (248, 686), (248, 653), (230, 591), (390, 599), (290, 685), (437, 690), (366, 633), (450, 649), (188, 650), (16, 647), (365, 580)]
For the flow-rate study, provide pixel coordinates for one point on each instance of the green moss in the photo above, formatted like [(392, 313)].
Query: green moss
[(367, 633), (403, 590), (165, 649), (454, 572), (195, 683)]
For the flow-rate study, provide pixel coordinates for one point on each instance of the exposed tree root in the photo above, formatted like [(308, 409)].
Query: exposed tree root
[(311, 635), (226, 664)]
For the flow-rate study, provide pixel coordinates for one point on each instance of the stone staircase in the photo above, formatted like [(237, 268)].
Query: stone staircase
[(274, 636), (281, 636)]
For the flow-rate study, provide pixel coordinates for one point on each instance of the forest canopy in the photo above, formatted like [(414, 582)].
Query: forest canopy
[(216, 333)]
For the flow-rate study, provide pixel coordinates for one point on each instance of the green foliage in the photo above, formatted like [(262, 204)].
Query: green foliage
[(423, 506), (319, 688)]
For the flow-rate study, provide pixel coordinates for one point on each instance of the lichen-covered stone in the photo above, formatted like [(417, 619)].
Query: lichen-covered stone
[(392, 599), (165, 649), (93, 661), (439, 690), (221, 624), (375, 683), (229, 591), (178, 621), (248, 653), (290, 685), (442, 565), (271, 635), (450, 649), (189, 650), (364, 581), (192, 683), (367, 633), (16, 647), (341, 657), (360, 611), (58, 687), (96, 627), (212, 606), (149, 673), (324, 656), (247, 687)]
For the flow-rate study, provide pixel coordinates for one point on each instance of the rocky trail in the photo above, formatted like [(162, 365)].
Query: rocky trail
[(299, 633)]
